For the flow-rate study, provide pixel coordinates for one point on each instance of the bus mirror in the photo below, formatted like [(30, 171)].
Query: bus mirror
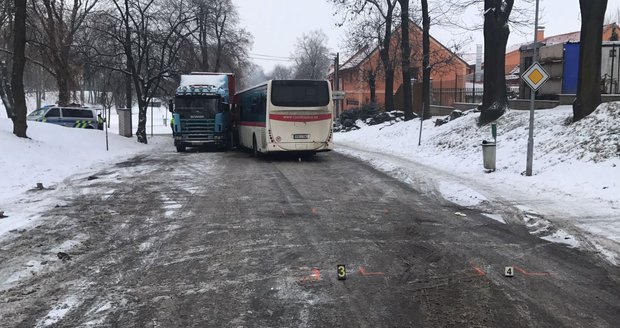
[(171, 105)]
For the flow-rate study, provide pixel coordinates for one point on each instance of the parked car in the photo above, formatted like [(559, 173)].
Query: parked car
[(75, 117)]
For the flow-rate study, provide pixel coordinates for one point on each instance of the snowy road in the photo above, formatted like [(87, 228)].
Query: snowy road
[(224, 240)]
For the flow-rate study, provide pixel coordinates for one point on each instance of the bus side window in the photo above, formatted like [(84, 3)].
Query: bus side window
[(254, 107), (263, 107)]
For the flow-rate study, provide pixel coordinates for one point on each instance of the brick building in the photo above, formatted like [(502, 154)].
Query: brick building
[(357, 72)]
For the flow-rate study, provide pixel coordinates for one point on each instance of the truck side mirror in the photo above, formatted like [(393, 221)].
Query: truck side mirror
[(171, 105)]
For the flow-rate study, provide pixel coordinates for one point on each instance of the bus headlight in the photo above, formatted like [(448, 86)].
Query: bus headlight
[(278, 138)]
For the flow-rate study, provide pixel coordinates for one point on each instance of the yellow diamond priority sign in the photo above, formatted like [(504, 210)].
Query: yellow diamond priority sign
[(535, 76)]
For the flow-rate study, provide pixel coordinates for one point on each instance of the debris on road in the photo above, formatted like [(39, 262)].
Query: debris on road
[(63, 256)]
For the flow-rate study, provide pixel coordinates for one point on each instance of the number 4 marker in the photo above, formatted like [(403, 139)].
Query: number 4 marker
[(509, 271)]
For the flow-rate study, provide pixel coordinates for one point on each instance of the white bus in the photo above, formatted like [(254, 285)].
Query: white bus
[(286, 116)]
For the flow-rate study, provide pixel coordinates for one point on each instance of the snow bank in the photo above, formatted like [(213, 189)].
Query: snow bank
[(575, 158), (52, 154)]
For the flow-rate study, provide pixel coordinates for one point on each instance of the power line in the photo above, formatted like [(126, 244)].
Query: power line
[(272, 59), (271, 56)]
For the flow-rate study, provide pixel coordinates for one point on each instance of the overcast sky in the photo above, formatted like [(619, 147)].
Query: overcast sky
[(276, 25)]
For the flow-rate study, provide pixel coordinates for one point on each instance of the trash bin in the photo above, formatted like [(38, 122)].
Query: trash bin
[(488, 154)]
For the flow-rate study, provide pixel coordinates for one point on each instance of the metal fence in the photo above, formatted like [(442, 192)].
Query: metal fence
[(449, 96)]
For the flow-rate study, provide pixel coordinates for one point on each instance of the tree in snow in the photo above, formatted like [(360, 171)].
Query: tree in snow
[(405, 50), (496, 32), (311, 56), (17, 75), (149, 34), (589, 76), (56, 23), (13, 96), (281, 72), (219, 42), (385, 10)]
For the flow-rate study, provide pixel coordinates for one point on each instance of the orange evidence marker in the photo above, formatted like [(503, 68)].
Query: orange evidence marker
[(523, 271), (314, 276), (479, 271), (364, 273)]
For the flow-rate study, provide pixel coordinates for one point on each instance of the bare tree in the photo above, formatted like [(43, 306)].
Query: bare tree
[(12, 94), (386, 10), (150, 34), (311, 56), (281, 72), (362, 37), (56, 24), (589, 80), (500, 16), (426, 65), (19, 62), (220, 42), (405, 50), (496, 32)]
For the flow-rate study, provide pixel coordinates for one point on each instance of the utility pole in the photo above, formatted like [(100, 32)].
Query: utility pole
[(530, 139), (337, 81)]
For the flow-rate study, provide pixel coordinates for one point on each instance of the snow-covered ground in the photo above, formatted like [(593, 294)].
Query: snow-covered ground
[(52, 154), (573, 196)]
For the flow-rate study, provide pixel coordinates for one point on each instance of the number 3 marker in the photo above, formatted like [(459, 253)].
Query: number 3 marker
[(342, 272)]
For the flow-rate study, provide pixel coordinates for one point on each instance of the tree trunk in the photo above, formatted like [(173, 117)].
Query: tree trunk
[(372, 86), (19, 61), (62, 80), (589, 81), (496, 32), (385, 58), (426, 69), (406, 55), (6, 94), (141, 131), (128, 100)]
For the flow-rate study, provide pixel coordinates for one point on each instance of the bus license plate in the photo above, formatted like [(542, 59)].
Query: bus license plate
[(301, 136)]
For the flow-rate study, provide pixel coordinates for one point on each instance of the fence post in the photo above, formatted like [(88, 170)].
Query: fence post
[(441, 92)]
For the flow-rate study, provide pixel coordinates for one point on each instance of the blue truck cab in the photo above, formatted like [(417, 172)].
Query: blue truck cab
[(201, 110)]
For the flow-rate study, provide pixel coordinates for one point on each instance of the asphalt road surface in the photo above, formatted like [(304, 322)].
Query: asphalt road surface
[(225, 240)]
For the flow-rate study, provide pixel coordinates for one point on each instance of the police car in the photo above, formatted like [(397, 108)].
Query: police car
[(75, 117)]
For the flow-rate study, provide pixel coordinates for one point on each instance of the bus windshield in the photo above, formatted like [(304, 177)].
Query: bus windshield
[(299, 93), (196, 105)]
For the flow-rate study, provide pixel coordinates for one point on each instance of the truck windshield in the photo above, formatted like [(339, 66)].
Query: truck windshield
[(299, 93), (196, 105)]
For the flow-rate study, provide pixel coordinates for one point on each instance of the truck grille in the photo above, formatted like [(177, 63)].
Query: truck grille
[(198, 129)]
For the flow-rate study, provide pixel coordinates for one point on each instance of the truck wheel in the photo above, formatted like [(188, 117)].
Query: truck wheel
[(180, 149)]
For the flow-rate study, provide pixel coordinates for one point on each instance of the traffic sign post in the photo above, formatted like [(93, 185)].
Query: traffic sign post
[(535, 76)]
